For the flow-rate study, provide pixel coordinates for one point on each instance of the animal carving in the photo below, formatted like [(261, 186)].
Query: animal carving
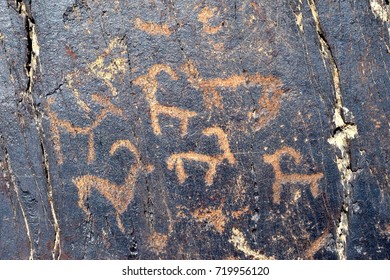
[(152, 28), (109, 66), (177, 160), (119, 196), (57, 123), (149, 85), (269, 103), (283, 178)]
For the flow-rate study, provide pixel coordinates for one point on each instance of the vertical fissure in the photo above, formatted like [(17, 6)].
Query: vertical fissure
[(31, 68), (342, 134), (16, 190)]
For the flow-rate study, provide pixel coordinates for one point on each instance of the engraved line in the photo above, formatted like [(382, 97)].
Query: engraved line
[(283, 178), (269, 103), (152, 28), (176, 160), (149, 85)]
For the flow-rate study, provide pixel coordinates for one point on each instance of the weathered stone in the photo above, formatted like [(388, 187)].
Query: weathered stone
[(194, 129)]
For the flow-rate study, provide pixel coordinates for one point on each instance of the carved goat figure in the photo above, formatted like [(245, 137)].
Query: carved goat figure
[(212, 161)]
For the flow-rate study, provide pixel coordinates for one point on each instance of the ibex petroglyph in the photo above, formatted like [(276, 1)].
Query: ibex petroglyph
[(283, 178), (269, 103), (149, 85), (120, 196), (176, 160)]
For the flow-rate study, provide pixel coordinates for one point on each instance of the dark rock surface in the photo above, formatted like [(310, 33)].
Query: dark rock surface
[(194, 129)]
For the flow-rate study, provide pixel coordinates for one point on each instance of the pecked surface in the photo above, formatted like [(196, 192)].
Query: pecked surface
[(194, 130)]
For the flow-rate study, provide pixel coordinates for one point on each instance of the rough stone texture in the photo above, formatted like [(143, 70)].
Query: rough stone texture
[(194, 129)]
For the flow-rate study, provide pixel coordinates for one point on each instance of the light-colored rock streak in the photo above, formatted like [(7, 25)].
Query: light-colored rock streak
[(344, 132), (241, 244)]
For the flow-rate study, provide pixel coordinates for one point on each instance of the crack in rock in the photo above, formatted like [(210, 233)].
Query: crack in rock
[(344, 132), (31, 67)]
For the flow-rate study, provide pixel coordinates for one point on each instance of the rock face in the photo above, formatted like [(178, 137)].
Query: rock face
[(194, 129)]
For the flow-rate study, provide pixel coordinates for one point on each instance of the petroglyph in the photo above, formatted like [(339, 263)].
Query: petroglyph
[(283, 178), (119, 196), (117, 66), (239, 242), (152, 28), (149, 85), (269, 103), (176, 160), (157, 242), (217, 217), (116, 54), (317, 245), (237, 214), (204, 17), (56, 123)]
